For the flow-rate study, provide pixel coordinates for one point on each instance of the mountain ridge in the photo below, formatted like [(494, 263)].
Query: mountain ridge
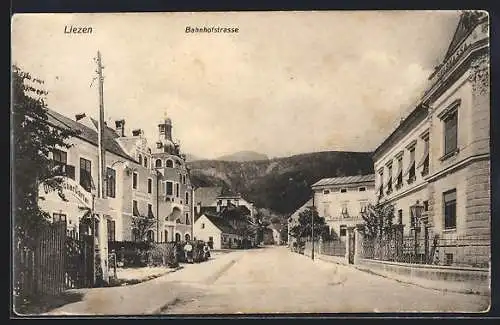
[(281, 184)]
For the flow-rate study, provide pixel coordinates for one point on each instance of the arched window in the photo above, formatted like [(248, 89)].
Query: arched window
[(140, 159), (158, 163), (151, 235), (169, 163), (165, 239), (187, 237), (177, 237)]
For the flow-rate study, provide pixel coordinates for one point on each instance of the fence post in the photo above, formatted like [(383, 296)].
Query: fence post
[(398, 241)]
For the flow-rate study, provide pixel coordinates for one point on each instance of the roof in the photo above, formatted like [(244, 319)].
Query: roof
[(207, 195), (221, 224), (345, 180), (88, 134), (302, 208)]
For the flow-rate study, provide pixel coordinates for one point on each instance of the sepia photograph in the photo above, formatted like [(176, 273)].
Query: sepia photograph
[(242, 163)]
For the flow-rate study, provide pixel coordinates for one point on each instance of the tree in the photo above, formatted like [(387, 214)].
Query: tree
[(303, 229), (34, 138), (378, 220), (141, 225)]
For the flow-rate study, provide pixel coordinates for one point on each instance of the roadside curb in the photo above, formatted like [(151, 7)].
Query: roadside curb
[(405, 281)]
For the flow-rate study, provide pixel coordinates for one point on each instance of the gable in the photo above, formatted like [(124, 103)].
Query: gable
[(468, 21)]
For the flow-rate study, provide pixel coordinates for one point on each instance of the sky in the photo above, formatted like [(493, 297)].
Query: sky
[(286, 83)]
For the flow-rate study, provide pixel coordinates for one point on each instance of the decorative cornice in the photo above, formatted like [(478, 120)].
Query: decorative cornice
[(411, 145), (479, 75), (450, 109)]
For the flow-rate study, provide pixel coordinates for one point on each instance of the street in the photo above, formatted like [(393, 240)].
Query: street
[(275, 280)]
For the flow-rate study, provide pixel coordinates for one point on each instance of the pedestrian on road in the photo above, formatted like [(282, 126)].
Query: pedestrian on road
[(206, 252), (188, 250)]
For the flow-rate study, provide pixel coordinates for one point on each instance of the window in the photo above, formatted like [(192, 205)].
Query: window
[(158, 163), (140, 159), (326, 191), (344, 211), (326, 209), (169, 188), (183, 179), (343, 190), (135, 209), (450, 209), (381, 183), (177, 237), (389, 181), (187, 219), (169, 163), (111, 230), (59, 217), (187, 197), (86, 174), (165, 238), (362, 189), (111, 182), (363, 205), (426, 206), (177, 189), (219, 202), (145, 161), (448, 259), (134, 181), (343, 230), (60, 162), (450, 133), (425, 158), (60, 156), (228, 202), (187, 237), (150, 185), (150, 211), (399, 176), (400, 217), (411, 170), (151, 235), (202, 226)]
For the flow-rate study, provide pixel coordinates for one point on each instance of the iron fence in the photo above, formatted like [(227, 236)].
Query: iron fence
[(457, 251)]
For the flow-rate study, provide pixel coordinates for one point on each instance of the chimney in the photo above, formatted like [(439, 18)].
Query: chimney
[(137, 132), (78, 117), (120, 127)]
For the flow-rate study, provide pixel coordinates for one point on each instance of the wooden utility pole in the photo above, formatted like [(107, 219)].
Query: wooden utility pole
[(101, 190)]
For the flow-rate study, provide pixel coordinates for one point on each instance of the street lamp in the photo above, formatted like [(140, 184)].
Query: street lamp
[(417, 210)]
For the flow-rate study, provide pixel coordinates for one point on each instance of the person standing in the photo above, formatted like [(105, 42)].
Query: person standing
[(188, 250)]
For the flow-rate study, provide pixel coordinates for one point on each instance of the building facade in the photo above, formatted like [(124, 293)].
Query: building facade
[(340, 201), (130, 184), (216, 231), (443, 149)]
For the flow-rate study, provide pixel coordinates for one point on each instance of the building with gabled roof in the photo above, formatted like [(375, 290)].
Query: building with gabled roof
[(217, 231)]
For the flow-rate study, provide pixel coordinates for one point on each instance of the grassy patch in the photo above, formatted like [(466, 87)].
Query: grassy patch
[(42, 304)]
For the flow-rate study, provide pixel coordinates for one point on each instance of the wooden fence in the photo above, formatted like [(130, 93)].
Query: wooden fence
[(40, 269), (54, 263)]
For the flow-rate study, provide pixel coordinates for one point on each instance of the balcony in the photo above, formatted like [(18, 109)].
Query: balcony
[(61, 169)]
